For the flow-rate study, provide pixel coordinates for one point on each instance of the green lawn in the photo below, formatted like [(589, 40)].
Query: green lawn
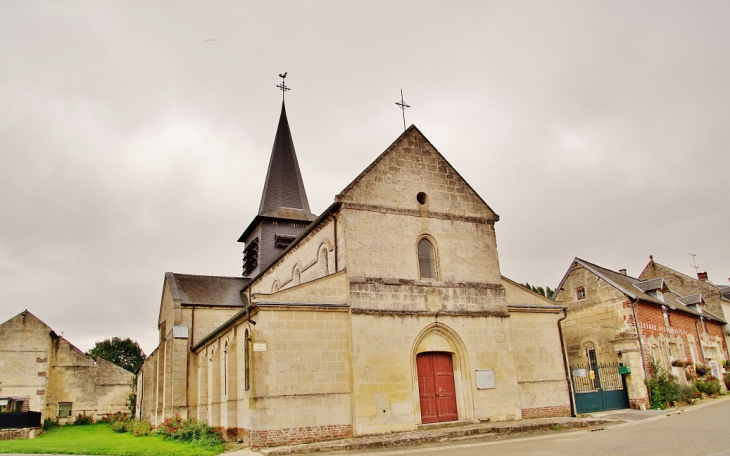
[(100, 440)]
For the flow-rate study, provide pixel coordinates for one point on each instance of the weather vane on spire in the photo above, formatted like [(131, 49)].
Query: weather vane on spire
[(403, 106), (283, 86)]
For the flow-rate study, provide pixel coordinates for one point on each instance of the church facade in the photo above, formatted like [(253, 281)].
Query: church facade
[(385, 313)]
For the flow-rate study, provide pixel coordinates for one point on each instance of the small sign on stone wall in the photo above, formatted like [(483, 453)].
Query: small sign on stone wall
[(259, 347), (579, 373), (485, 379)]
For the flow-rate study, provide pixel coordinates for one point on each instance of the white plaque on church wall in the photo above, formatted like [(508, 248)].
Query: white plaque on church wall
[(485, 379), (259, 347)]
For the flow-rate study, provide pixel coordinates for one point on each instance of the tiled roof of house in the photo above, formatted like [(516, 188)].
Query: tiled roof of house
[(632, 287), (691, 299), (209, 290)]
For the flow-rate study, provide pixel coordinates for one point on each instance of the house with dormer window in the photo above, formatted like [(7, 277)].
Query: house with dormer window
[(714, 297), (617, 324)]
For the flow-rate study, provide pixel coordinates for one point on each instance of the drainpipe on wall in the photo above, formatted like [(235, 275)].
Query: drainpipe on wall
[(641, 344), (573, 410), (699, 339)]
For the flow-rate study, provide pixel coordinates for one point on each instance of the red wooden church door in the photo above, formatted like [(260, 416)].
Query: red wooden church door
[(436, 387)]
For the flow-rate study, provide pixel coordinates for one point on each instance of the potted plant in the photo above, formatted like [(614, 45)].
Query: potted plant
[(701, 370), (678, 363)]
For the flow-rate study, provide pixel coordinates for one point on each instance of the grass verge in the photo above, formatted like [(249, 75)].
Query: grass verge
[(99, 439)]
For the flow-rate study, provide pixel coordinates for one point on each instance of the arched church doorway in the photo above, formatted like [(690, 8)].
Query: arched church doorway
[(436, 389)]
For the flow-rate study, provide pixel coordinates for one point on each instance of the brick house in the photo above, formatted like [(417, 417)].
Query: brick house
[(384, 313), (716, 297), (41, 371), (603, 309)]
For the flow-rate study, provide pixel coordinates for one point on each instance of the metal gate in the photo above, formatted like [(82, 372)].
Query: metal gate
[(598, 387)]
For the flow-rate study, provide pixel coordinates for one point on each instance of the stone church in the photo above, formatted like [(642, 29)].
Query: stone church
[(385, 313)]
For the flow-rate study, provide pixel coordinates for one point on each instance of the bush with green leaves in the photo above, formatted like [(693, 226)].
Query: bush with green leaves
[(83, 419), (50, 423), (687, 393), (119, 426), (708, 385), (663, 387), (726, 378), (191, 430), (139, 428)]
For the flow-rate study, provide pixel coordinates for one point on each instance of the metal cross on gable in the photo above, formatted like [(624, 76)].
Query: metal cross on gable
[(283, 86), (403, 106)]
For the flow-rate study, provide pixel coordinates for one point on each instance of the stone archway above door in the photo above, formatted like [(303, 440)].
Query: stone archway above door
[(438, 337)]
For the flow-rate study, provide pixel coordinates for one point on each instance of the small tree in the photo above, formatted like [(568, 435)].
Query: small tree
[(547, 291), (124, 353)]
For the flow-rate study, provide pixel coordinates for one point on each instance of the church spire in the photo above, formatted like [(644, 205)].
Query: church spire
[(284, 195), (284, 210)]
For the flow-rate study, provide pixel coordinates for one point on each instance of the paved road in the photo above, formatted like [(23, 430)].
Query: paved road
[(700, 432)]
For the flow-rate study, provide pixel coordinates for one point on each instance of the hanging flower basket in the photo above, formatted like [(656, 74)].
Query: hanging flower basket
[(701, 370)]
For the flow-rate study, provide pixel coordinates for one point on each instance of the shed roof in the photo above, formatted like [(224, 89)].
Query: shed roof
[(208, 290)]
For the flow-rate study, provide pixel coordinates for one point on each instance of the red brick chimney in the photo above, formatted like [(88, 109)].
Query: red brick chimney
[(702, 276)]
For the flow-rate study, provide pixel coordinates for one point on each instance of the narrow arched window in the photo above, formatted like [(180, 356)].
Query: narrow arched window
[(246, 363), (580, 293), (426, 259)]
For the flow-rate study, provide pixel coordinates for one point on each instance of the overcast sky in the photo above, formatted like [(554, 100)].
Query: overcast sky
[(135, 136)]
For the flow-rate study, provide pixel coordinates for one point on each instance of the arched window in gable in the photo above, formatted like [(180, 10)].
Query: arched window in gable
[(426, 259), (580, 293)]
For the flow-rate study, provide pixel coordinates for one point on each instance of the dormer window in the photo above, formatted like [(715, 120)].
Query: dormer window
[(426, 259), (580, 293)]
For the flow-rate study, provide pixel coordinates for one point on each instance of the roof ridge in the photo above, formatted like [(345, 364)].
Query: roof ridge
[(609, 270), (179, 274)]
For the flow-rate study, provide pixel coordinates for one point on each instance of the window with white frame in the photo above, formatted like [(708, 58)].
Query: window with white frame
[(64, 409), (580, 293), (692, 351)]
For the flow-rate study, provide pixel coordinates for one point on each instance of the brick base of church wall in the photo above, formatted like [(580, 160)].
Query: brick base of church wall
[(234, 434), (291, 436), (636, 404), (546, 412)]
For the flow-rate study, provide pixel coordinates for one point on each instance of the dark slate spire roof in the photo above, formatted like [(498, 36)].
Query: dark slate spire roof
[(284, 195)]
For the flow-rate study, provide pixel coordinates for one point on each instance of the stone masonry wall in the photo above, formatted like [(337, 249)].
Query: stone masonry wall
[(301, 370), (94, 388), (310, 259), (383, 218), (541, 378), (24, 360)]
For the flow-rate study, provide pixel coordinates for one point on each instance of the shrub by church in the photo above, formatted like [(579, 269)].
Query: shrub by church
[(384, 313)]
